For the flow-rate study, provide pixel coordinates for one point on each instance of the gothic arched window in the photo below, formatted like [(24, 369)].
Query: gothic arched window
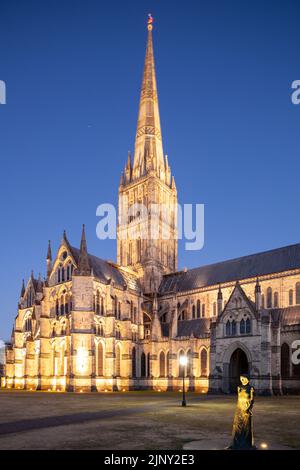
[(298, 293), (182, 315), (181, 367), (62, 305), (269, 297), (193, 311), (118, 361), (148, 365), (285, 360), (116, 306), (214, 309), (248, 326), (203, 363), (100, 359), (143, 365), (28, 324), (138, 249), (228, 328), (203, 310), (189, 363), (131, 311), (130, 253), (198, 308), (134, 315), (168, 364), (291, 297), (133, 362), (233, 328), (275, 299), (242, 327), (97, 302), (162, 364), (66, 304)]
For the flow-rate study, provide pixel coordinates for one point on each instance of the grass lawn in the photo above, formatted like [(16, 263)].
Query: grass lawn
[(135, 420)]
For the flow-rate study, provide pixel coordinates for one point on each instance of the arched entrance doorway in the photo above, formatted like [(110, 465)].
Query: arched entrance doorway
[(238, 365)]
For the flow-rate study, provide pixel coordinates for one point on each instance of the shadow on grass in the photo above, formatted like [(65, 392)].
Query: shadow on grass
[(63, 420)]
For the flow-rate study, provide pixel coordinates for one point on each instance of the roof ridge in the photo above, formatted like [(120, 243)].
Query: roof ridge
[(240, 257)]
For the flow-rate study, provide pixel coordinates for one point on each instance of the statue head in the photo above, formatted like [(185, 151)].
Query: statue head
[(244, 379)]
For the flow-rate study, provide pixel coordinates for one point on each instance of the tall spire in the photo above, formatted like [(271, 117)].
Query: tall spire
[(39, 287), (49, 260), (49, 252), (22, 289), (148, 153), (83, 262)]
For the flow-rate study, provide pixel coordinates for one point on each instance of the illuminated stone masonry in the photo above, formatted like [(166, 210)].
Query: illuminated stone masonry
[(92, 325)]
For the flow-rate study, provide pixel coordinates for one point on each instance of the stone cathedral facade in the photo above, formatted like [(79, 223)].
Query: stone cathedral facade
[(94, 325)]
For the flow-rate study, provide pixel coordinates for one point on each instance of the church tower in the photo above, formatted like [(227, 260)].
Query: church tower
[(147, 223)]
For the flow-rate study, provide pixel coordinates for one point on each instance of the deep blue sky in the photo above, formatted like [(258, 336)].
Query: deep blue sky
[(73, 73)]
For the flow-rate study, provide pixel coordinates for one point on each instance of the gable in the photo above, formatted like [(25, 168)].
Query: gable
[(238, 303)]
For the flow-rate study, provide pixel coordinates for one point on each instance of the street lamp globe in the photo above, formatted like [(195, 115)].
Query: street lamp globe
[(183, 360)]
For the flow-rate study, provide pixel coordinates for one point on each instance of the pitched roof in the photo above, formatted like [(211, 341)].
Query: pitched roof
[(198, 327), (288, 316), (106, 271), (259, 264)]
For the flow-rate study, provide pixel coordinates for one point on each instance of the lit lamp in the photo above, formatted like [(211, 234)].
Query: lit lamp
[(183, 362)]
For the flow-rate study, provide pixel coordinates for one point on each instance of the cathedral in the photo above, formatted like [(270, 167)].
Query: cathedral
[(95, 325)]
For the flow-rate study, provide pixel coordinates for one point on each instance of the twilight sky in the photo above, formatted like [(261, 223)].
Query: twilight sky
[(73, 72)]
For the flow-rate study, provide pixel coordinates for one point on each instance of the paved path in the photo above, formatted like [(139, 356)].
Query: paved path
[(220, 443), (63, 420)]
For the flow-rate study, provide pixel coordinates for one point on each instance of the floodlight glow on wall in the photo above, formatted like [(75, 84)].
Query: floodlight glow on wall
[(82, 360)]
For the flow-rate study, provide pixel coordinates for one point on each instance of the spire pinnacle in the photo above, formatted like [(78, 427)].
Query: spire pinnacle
[(22, 288), (65, 241), (83, 262), (148, 153), (49, 253), (128, 165), (149, 22), (40, 283), (49, 260), (220, 295)]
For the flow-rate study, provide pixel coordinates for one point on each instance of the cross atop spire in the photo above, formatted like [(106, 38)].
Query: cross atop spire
[(149, 22), (148, 153)]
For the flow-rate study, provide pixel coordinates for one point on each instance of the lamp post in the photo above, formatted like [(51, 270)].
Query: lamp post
[(183, 363)]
